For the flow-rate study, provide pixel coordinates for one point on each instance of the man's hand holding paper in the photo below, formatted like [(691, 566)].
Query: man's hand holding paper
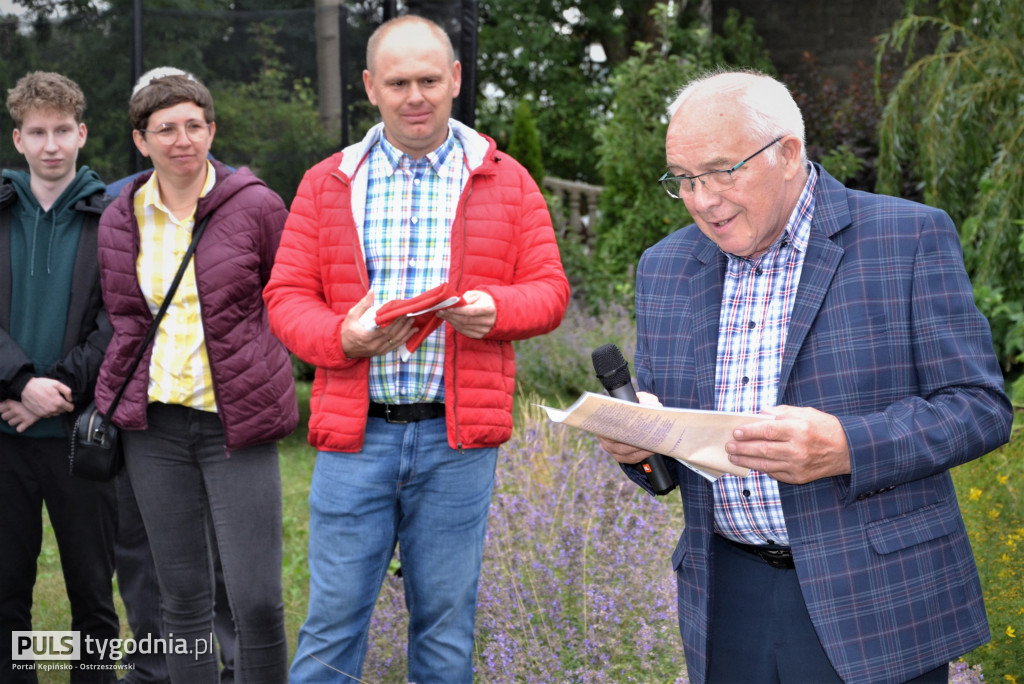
[(400, 325), (358, 341), (476, 318), (799, 446), (627, 453)]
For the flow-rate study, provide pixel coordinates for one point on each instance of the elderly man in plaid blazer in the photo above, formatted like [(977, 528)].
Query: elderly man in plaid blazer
[(848, 317)]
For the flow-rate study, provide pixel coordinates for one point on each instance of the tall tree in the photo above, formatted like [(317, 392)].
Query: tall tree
[(954, 128), (558, 55)]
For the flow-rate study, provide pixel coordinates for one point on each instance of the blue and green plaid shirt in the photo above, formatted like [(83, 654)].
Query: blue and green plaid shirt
[(410, 207)]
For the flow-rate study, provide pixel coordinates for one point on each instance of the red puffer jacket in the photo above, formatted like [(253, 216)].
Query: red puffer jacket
[(502, 243), (252, 372)]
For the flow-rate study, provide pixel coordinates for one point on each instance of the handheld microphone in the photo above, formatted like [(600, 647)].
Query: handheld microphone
[(613, 372)]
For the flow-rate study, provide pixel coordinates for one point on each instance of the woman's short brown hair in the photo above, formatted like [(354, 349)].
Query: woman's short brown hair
[(166, 91)]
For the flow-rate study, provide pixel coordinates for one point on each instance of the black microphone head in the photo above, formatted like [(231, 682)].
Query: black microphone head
[(610, 366)]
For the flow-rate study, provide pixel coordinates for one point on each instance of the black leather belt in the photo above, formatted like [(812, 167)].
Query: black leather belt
[(406, 413), (775, 556)]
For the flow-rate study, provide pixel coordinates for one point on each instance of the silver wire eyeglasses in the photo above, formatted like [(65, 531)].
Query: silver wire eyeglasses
[(715, 181), (167, 133)]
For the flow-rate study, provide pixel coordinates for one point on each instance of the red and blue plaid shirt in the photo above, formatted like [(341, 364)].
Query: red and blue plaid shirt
[(757, 301)]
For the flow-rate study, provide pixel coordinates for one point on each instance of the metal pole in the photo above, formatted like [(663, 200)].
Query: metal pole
[(344, 55), (137, 49), (469, 21), (328, 61)]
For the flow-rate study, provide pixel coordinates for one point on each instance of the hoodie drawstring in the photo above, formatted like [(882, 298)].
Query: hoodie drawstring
[(49, 246), (32, 252)]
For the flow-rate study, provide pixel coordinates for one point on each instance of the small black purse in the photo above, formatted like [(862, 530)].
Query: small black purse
[(96, 453)]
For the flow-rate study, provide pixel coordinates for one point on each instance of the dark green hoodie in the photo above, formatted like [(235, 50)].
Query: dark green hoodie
[(44, 245)]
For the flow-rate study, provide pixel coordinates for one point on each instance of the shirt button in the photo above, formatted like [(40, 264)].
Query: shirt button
[(759, 271), (745, 380), (746, 492), (752, 325)]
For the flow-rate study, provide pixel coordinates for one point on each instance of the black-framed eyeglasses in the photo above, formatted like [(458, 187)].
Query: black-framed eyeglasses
[(681, 187), (167, 133)]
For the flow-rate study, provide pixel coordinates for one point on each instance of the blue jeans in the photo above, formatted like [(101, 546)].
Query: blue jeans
[(406, 486), (193, 495)]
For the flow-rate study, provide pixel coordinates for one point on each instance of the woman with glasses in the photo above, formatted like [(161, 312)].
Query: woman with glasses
[(201, 414)]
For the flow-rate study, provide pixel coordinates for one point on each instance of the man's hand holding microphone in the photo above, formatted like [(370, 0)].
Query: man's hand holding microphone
[(613, 372)]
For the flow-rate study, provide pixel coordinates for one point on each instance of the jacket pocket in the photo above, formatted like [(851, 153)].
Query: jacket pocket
[(916, 527)]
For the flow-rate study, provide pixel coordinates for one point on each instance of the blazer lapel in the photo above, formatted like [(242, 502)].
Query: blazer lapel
[(707, 292), (831, 215)]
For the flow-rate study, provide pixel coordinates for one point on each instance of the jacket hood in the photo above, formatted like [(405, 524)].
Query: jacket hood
[(85, 184), (46, 231), (476, 145), (229, 183)]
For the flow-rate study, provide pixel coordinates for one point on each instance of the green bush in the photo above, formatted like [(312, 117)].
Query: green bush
[(635, 211), (954, 126), (557, 367), (271, 125), (524, 145)]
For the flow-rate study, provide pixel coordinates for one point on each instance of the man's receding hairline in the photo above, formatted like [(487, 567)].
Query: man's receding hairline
[(406, 20)]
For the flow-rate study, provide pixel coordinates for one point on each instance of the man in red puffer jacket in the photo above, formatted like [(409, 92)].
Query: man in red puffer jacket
[(407, 443)]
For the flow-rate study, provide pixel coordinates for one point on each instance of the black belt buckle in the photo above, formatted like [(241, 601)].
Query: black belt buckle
[(777, 558), (780, 558), (394, 418)]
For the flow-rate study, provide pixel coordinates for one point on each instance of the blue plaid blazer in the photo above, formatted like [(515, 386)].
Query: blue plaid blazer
[(885, 336)]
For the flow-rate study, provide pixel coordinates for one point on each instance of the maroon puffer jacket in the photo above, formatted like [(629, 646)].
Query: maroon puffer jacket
[(252, 373)]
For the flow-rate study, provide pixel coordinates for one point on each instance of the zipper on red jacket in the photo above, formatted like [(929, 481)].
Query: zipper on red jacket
[(458, 288), (363, 277)]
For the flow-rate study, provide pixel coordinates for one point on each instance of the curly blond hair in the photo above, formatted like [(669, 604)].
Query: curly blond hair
[(45, 91)]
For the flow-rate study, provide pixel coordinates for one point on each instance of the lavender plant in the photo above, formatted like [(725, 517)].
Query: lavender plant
[(557, 366), (575, 584)]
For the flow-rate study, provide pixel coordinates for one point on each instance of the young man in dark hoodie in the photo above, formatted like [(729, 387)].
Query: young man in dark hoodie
[(53, 333)]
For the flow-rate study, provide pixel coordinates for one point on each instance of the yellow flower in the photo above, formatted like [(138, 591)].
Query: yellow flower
[(1010, 678), (1011, 632), (975, 494), (1003, 479)]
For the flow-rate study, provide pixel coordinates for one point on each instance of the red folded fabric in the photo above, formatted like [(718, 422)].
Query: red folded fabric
[(420, 308)]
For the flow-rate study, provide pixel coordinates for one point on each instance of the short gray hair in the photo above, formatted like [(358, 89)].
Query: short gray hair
[(767, 103)]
